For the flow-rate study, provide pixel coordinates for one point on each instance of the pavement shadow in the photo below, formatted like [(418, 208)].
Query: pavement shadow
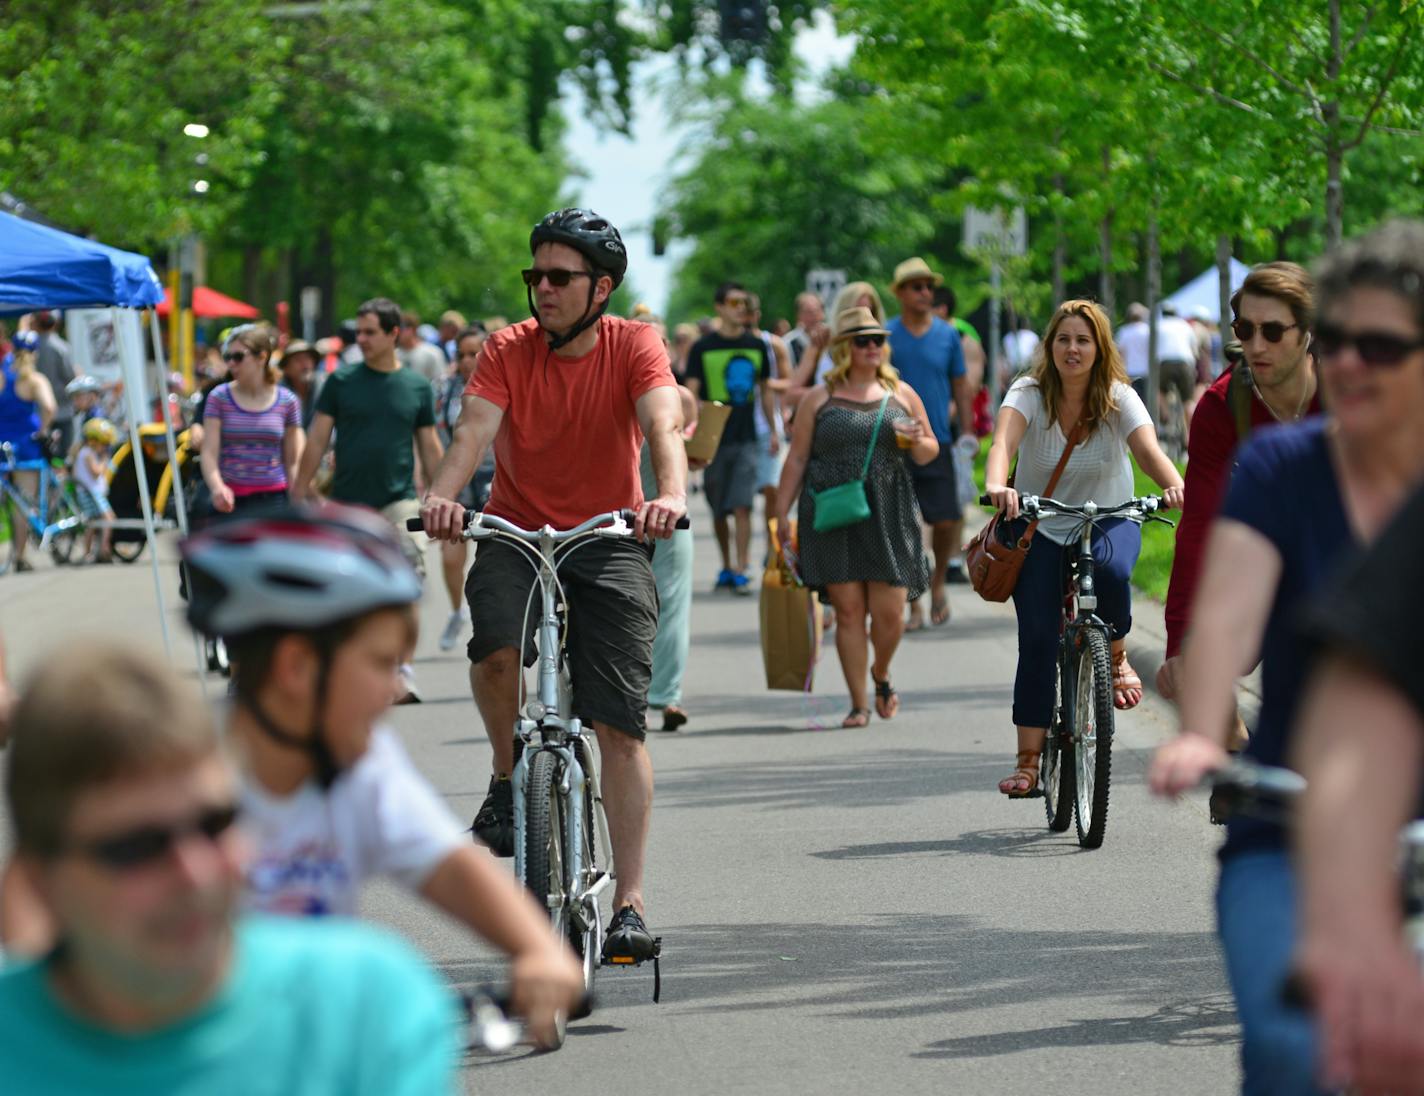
[(1012, 843), (895, 967), (883, 779)]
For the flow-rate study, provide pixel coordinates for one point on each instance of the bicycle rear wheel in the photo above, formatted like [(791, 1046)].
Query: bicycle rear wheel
[(19, 532), (1093, 736), (1055, 767), (544, 857)]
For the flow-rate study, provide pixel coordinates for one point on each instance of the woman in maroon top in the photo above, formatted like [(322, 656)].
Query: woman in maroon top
[(1272, 315)]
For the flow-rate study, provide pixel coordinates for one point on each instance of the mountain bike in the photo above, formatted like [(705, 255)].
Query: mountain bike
[(52, 517), (561, 838), (1075, 768)]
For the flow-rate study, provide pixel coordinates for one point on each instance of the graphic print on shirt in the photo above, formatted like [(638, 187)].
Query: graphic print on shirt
[(306, 880), (731, 374)]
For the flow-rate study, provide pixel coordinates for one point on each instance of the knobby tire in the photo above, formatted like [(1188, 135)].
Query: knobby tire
[(1093, 729)]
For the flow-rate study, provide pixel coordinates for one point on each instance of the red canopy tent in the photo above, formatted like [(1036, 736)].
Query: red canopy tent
[(210, 304)]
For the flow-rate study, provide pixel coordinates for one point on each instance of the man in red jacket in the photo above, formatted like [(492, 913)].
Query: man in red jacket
[(1272, 315)]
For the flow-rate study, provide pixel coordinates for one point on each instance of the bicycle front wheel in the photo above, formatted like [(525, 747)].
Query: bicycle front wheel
[(19, 534), (586, 930), (1055, 766), (544, 857), (61, 545), (1092, 736)]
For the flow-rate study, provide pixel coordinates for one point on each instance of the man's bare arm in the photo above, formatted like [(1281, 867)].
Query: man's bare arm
[(473, 435), (318, 438)]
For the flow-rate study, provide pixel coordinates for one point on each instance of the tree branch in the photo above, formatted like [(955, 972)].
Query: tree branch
[(1211, 93), (1256, 59), (1385, 81), (1364, 29)]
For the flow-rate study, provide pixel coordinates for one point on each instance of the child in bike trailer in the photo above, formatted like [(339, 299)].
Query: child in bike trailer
[(317, 606), (91, 481)]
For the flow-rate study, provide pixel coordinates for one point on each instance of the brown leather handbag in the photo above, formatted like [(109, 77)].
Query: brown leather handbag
[(992, 561)]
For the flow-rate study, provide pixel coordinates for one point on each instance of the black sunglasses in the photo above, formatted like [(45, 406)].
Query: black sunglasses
[(235, 356), (1376, 348), (1271, 331), (558, 278), (862, 341), (147, 844)]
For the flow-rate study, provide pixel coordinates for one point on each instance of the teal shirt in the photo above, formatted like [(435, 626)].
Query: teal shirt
[(312, 1008), (376, 416)]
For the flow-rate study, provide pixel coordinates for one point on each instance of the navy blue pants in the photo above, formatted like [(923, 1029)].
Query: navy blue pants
[(1038, 601)]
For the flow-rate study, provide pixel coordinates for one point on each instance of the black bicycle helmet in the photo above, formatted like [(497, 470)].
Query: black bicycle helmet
[(592, 236)]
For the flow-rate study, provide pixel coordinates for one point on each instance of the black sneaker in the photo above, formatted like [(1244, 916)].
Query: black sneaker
[(628, 940), (956, 575), (494, 824)]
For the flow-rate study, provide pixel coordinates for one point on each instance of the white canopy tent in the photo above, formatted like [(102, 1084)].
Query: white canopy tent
[(1204, 292)]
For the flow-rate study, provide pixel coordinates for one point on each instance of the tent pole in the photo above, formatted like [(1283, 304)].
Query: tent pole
[(141, 478), (180, 502)]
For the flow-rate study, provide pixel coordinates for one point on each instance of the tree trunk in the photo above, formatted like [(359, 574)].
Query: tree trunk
[(1223, 273), (251, 272), (1154, 291), (1334, 154), (1060, 247), (1107, 295)]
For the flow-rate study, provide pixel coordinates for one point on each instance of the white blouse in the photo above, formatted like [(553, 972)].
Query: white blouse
[(1099, 470)]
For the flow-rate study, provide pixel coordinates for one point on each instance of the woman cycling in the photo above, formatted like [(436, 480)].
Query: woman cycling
[(26, 408), (253, 435), (869, 566), (1304, 498), (1077, 388)]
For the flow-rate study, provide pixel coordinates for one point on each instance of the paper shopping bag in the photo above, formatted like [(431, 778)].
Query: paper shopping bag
[(790, 628)]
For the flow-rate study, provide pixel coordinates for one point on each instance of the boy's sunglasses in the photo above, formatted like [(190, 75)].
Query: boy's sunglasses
[(1271, 331), (862, 341), (558, 278), (145, 845), (1376, 348)]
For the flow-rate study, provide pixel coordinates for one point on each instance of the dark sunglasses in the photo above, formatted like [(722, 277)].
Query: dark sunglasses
[(737, 302), (147, 844), (558, 278), (1271, 331), (1376, 348), (235, 356), (862, 341), (919, 287)]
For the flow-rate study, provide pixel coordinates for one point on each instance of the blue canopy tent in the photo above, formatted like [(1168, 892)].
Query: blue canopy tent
[(45, 268)]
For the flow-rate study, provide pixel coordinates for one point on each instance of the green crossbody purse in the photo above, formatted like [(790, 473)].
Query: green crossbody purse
[(846, 503)]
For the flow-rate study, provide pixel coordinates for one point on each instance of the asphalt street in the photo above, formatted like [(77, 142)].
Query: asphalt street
[(843, 911)]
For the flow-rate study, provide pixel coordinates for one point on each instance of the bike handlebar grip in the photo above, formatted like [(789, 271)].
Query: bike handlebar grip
[(415, 525), (985, 500), (631, 516)]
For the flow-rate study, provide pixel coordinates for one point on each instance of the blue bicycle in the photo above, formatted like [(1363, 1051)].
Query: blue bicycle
[(51, 518)]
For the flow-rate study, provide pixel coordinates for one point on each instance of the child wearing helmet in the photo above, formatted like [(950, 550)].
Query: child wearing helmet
[(91, 476), (317, 607)]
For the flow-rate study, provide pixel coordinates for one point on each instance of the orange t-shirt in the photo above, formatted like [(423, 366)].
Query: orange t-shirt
[(568, 446)]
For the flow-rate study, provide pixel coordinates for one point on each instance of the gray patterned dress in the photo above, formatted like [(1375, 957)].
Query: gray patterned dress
[(885, 548)]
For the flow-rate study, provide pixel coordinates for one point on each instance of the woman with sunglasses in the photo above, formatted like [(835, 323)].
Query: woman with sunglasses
[(870, 567), (253, 434), (1303, 500)]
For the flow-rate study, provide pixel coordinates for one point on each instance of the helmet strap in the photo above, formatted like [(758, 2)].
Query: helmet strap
[(314, 745), (557, 341)]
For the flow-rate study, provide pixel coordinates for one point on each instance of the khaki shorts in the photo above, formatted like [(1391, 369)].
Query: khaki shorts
[(412, 544)]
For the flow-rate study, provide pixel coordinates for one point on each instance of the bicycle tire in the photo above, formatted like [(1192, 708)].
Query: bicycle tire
[(587, 943), (128, 551), (544, 858), (61, 545), (19, 534), (1093, 737), (1055, 766)]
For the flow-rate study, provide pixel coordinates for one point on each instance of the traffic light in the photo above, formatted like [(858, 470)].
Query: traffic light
[(743, 20)]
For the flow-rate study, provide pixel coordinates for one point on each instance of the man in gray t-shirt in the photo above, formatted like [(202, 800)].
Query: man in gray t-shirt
[(54, 359), (418, 355)]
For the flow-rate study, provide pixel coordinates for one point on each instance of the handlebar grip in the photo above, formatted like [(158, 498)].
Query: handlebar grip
[(985, 500), (415, 525), (631, 516)]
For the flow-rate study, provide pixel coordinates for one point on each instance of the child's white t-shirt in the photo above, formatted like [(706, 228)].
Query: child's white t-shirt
[(97, 486), (314, 850)]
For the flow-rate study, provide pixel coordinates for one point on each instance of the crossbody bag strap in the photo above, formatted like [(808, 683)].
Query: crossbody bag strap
[(1074, 436), (874, 437)]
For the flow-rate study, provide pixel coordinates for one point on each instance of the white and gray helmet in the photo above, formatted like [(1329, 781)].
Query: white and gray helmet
[(299, 568)]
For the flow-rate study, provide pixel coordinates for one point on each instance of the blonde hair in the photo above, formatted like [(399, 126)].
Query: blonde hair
[(849, 297), (259, 339), (885, 373), (1108, 369), (24, 365)]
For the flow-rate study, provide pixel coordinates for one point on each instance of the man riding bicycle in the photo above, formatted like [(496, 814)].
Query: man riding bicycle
[(566, 398)]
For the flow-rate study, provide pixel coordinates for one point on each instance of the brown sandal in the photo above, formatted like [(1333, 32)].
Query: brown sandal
[(1125, 681), (1022, 783)]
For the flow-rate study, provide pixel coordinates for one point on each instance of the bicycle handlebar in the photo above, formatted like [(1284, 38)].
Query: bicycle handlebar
[(478, 525), (1040, 506)]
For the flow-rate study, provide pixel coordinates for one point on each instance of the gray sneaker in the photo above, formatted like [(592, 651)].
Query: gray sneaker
[(411, 695), (453, 627)]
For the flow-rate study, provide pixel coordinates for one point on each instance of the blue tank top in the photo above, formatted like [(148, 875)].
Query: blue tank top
[(18, 417)]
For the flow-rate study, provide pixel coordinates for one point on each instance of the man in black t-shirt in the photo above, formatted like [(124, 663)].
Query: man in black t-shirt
[(729, 365), (1360, 746)]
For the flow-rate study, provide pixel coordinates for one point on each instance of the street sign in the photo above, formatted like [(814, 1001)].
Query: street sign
[(989, 230), (825, 284)]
